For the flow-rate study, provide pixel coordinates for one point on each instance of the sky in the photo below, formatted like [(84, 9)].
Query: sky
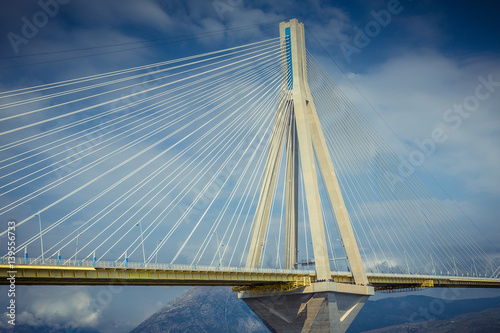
[(412, 67)]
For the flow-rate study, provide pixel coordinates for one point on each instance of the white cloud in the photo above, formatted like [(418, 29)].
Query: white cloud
[(63, 309), (413, 92)]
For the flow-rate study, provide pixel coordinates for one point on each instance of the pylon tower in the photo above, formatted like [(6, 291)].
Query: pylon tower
[(324, 306)]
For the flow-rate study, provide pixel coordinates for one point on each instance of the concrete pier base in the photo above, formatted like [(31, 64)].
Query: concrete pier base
[(307, 310)]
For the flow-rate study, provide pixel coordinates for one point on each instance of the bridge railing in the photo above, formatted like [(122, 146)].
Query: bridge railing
[(433, 276), (206, 268), (139, 265)]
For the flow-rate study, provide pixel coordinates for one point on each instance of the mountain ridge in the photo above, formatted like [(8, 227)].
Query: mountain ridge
[(198, 310), (183, 314), (485, 321)]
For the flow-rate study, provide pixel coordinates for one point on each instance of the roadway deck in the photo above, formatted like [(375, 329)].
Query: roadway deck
[(110, 273)]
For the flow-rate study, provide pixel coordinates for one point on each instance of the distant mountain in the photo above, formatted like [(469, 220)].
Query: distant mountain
[(486, 321), (203, 309), (217, 309), (412, 309)]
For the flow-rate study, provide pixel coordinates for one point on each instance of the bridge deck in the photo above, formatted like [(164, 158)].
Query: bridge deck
[(144, 276), (173, 275)]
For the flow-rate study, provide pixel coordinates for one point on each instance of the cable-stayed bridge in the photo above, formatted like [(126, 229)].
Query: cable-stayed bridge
[(245, 167)]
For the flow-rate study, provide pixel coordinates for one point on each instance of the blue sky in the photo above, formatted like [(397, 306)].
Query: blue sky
[(429, 57)]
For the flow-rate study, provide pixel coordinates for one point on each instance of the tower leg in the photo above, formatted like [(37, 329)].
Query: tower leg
[(292, 187), (267, 187)]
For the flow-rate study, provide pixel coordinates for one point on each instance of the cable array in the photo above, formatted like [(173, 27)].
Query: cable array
[(400, 226), (154, 162), (164, 163)]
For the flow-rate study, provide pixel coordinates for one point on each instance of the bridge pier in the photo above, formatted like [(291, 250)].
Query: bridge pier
[(321, 307)]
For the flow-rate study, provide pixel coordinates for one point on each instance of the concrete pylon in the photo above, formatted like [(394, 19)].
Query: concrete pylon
[(324, 306), (297, 124)]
